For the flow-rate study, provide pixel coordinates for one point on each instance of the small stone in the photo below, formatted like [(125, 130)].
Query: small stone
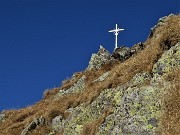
[(102, 77), (153, 122), (41, 121), (36, 121), (2, 115)]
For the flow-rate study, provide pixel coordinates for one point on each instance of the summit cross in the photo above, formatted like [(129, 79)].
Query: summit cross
[(116, 32)]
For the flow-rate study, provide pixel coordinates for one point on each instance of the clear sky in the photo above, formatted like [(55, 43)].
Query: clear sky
[(42, 42)]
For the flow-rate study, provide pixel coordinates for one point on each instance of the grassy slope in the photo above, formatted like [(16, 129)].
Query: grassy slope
[(164, 37)]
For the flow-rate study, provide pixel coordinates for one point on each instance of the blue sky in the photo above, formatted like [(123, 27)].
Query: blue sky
[(43, 42)]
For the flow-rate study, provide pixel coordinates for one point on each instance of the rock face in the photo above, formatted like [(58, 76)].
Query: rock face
[(36, 122), (170, 60), (122, 53), (99, 59), (124, 99)]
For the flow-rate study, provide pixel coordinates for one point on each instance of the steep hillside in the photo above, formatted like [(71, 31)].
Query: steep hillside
[(133, 91)]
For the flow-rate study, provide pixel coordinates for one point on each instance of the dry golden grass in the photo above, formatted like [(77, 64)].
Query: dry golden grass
[(66, 84), (120, 73), (170, 120), (41, 130)]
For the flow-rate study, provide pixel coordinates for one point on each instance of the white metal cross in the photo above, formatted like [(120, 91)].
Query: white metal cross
[(116, 32)]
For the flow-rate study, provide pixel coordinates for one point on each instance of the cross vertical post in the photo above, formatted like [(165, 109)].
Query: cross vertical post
[(116, 33)]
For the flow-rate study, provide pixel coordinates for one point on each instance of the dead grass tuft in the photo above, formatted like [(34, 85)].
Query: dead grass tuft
[(41, 130), (92, 128), (170, 120), (66, 84)]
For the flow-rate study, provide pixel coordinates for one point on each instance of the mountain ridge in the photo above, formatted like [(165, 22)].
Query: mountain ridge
[(118, 94)]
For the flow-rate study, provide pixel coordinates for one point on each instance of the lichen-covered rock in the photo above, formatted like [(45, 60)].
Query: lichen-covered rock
[(99, 59), (122, 53), (136, 110), (85, 114), (139, 79), (77, 87), (169, 60)]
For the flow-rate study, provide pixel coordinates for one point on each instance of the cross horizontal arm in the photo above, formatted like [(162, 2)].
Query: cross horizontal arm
[(116, 30)]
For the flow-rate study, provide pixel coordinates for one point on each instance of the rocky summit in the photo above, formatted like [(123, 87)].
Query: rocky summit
[(134, 91)]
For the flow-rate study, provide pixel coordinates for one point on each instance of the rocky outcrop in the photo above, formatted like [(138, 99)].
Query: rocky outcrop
[(161, 22), (99, 59), (122, 53), (127, 105), (36, 122), (169, 60)]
